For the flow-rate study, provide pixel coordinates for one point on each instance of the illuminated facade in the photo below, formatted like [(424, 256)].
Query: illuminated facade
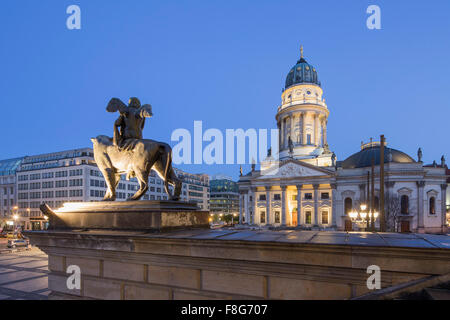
[(8, 192), (308, 188)]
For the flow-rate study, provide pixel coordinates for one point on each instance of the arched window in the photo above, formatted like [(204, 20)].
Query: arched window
[(432, 205), (348, 205), (404, 204)]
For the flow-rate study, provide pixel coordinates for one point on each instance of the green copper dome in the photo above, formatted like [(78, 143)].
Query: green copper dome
[(302, 72)]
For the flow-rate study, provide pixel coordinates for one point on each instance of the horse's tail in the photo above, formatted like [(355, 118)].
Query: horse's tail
[(168, 167)]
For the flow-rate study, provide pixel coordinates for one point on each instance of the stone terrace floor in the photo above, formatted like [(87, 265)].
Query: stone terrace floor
[(412, 240), (23, 275), (378, 239)]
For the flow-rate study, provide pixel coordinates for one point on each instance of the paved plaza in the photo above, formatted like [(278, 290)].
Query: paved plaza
[(23, 275)]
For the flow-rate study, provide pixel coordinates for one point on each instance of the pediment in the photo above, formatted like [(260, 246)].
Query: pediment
[(293, 169)]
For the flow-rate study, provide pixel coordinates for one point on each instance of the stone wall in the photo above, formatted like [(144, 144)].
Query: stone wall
[(198, 265)]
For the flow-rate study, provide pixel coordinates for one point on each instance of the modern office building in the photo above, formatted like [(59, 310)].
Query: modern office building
[(8, 192), (73, 176), (195, 188), (224, 195)]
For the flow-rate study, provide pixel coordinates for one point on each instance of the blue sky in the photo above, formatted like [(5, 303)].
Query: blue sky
[(223, 62)]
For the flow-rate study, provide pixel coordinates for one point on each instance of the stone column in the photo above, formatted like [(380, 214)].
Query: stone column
[(241, 204), (284, 205), (247, 215), (282, 133), (420, 211), (254, 205), (443, 207), (316, 129), (333, 205), (268, 205), (279, 134), (300, 126), (305, 115), (325, 132), (291, 129), (299, 204), (316, 205)]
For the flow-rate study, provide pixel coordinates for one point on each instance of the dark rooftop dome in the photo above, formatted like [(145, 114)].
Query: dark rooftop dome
[(371, 150), (301, 73)]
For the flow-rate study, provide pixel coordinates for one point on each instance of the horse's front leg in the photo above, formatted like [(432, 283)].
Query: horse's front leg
[(110, 178)]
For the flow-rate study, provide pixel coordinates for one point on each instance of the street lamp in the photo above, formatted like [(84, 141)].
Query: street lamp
[(363, 216), (232, 218)]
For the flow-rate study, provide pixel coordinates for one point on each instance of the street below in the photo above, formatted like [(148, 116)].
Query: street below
[(23, 273)]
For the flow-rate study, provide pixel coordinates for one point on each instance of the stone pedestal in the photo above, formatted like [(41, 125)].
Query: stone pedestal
[(136, 216)]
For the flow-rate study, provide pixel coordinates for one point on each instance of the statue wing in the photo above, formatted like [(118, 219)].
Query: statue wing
[(146, 111), (116, 104)]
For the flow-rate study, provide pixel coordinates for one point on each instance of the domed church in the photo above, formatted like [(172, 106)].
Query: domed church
[(304, 186)]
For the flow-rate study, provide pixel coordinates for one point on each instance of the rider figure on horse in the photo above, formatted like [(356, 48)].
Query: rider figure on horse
[(130, 122)]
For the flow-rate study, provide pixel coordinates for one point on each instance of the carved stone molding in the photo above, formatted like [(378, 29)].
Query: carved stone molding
[(420, 184)]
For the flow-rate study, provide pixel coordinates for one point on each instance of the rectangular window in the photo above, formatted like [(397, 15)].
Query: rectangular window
[(324, 217), (262, 217), (308, 196), (262, 197), (277, 197), (308, 217), (277, 216), (308, 139), (294, 197)]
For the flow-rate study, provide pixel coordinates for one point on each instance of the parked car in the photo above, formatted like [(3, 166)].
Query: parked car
[(13, 243), (10, 235)]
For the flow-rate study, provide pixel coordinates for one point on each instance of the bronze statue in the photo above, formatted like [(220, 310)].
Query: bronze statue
[(131, 121), (128, 153), (291, 146)]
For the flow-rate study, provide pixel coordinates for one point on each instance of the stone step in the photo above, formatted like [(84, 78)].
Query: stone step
[(438, 294)]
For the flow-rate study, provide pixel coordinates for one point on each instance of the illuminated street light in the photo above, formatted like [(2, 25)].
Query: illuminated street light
[(353, 215), (363, 216)]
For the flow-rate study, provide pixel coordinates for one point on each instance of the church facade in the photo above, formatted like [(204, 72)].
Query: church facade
[(307, 188)]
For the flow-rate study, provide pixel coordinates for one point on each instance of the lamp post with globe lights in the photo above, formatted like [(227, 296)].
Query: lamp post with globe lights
[(363, 216)]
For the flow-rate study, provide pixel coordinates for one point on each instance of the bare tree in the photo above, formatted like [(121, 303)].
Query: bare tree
[(393, 207)]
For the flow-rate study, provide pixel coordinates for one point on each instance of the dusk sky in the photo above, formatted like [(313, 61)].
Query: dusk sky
[(225, 63)]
